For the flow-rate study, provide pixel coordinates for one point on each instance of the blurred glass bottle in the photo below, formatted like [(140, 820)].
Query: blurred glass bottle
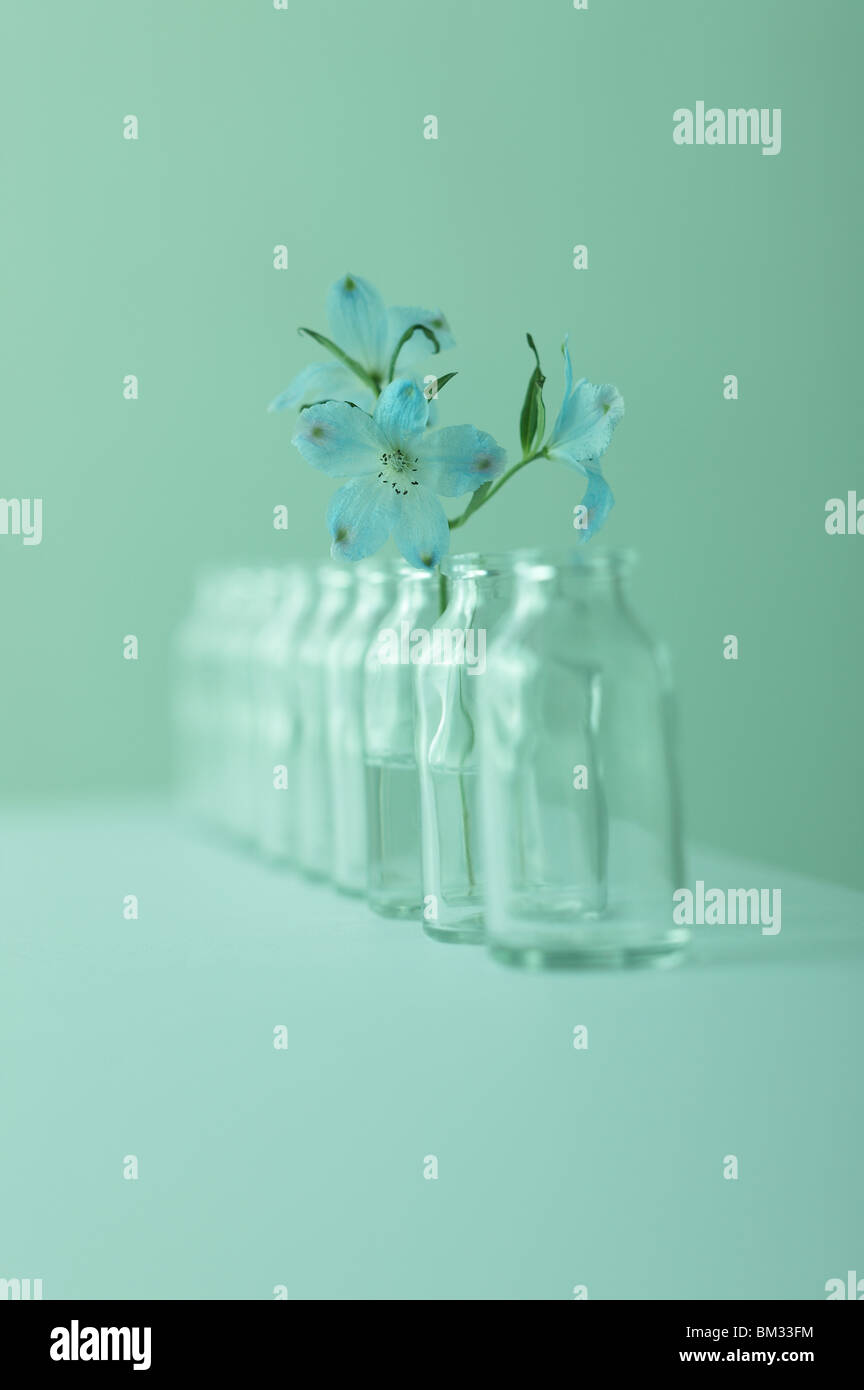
[(580, 803), (335, 585), (395, 880), (450, 674), (279, 716), (375, 591), (253, 594), (195, 712)]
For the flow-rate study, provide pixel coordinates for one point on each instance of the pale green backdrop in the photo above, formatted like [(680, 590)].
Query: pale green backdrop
[(304, 127)]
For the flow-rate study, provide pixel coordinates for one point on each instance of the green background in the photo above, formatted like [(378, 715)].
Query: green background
[(260, 127)]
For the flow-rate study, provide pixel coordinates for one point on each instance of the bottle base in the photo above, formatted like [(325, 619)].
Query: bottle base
[(275, 859), (349, 890), (396, 910), (460, 934), (311, 873), (660, 956)]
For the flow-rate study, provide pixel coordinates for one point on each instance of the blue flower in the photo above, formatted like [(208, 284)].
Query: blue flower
[(365, 330), (581, 436), (397, 469)]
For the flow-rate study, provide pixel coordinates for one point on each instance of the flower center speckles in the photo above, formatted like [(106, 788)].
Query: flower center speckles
[(396, 469)]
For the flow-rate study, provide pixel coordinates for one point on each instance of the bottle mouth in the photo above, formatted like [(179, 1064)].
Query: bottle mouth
[(577, 562), (478, 565), (539, 563), (335, 574), (383, 569), (405, 572), (376, 571)]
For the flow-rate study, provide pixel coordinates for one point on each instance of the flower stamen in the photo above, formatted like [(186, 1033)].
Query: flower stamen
[(396, 464)]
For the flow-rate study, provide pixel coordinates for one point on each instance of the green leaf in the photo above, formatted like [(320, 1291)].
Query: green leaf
[(440, 383), (328, 400), (532, 421), (409, 332), (349, 362)]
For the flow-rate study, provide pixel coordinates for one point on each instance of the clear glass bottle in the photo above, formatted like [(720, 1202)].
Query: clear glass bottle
[(375, 591), (395, 871), (580, 804), (335, 584), (195, 652), (450, 676), (279, 720), (253, 594)]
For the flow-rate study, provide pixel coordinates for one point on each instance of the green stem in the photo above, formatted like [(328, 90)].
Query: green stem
[(369, 378), (467, 834), (467, 829), (442, 593), (481, 496), (409, 332)]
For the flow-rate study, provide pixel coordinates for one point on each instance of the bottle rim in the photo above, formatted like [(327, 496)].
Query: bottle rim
[(538, 562), (578, 563), (334, 574), (375, 570), (477, 564)]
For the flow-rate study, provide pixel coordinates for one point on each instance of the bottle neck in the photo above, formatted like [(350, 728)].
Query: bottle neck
[(417, 593), (586, 582), (374, 594), (476, 584), (478, 600)]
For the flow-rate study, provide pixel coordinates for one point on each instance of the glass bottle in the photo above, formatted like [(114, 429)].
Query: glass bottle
[(334, 583), (580, 805), (375, 590), (279, 720), (450, 676), (395, 871), (195, 652), (253, 594)]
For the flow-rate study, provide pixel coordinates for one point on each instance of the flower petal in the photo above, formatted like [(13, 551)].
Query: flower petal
[(358, 321), (340, 439), (323, 381), (418, 346), (568, 385), (598, 501), (360, 518), (458, 459), (586, 423), (402, 412), (420, 529)]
